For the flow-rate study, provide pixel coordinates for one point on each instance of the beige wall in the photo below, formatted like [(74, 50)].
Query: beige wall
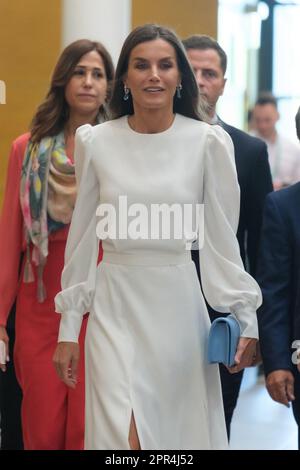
[(30, 38), (185, 16)]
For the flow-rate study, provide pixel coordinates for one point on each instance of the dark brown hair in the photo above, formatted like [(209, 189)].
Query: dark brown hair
[(203, 42), (188, 104), (53, 112)]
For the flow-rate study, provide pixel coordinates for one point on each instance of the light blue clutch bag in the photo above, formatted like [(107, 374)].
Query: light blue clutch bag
[(223, 340)]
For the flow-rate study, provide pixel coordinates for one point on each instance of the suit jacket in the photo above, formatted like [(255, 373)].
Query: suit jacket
[(254, 176), (278, 276)]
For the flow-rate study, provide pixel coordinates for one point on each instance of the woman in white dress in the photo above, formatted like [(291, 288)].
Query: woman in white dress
[(148, 383)]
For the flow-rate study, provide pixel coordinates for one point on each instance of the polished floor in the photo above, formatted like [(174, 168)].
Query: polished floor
[(259, 423)]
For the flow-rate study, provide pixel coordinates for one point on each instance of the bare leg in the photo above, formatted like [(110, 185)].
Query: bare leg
[(133, 437)]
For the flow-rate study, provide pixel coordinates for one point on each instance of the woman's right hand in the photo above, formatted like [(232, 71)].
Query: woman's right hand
[(4, 352), (66, 358)]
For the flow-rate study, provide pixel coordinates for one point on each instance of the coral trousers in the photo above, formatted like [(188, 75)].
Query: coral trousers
[(52, 413)]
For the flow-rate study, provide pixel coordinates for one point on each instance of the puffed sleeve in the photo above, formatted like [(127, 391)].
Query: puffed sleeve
[(79, 273), (226, 285)]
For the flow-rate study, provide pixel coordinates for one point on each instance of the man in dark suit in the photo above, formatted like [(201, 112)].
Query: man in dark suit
[(279, 278), (209, 62)]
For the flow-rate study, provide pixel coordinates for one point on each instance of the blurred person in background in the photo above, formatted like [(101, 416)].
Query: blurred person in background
[(284, 155)]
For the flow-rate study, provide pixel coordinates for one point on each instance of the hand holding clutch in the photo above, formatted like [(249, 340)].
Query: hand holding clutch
[(223, 340)]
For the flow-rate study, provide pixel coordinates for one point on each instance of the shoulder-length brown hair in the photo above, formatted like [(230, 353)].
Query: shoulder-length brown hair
[(188, 104), (53, 112)]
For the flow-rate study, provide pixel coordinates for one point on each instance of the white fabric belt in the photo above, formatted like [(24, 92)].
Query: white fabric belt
[(147, 259)]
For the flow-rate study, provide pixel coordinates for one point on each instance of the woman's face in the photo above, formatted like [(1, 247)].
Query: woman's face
[(153, 75), (86, 90)]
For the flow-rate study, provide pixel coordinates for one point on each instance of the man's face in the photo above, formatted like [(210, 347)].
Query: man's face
[(265, 117), (209, 75)]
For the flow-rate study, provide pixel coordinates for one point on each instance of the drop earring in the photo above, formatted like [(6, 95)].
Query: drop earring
[(178, 91), (126, 93)]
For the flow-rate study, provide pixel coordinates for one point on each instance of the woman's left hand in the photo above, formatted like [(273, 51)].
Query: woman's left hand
[(245, 355), (66, 359)]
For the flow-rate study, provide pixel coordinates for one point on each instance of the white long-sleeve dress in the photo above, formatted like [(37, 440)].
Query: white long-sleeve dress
[(148, 326)]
